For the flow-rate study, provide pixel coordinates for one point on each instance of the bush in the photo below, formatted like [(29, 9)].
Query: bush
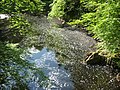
[(21, 6), (104, 23), (65, 9), (14, 29), (57, 10), (18, 25)]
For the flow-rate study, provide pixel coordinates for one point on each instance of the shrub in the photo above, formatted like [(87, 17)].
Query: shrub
[(21, 6), (57, 10), (104, 23), (65, 9), (18, 25)]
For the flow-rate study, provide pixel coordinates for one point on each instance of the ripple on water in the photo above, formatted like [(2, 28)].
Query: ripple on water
[(59, 79)]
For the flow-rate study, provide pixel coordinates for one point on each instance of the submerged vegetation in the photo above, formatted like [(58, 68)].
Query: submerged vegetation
[(99, 17)]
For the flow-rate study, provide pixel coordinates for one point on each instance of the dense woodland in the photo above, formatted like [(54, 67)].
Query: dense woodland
[(101, 18)]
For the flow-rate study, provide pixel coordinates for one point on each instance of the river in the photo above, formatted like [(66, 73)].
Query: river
[(60, 52)]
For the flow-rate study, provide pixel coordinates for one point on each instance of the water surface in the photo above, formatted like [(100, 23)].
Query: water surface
[(70, 46), (59, 78)]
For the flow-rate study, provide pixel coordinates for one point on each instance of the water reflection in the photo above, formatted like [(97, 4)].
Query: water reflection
[(59, 78)]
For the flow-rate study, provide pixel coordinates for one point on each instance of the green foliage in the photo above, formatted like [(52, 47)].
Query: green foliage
[(15, 71), (65, 9), (15, 8), (15, 28), (75, 22), (57, 10), (104, 22), (90, 5), (47, 6), (21, 6), (18, 25)]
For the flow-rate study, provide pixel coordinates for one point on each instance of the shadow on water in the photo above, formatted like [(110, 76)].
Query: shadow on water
[(59, 78), (68, 47)]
